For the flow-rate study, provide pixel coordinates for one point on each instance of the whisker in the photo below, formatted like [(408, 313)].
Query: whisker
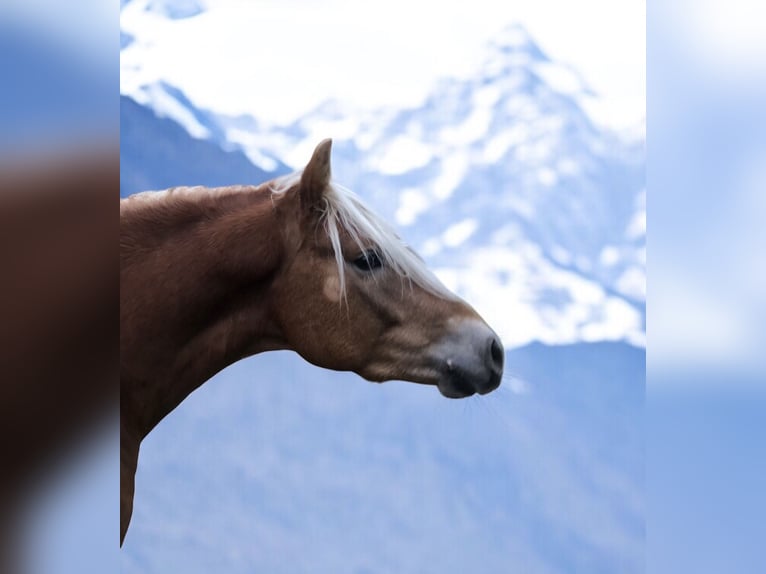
[(468, 408), (495, 414)]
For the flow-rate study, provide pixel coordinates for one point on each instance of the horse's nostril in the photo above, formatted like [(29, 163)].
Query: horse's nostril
[(496, 350)]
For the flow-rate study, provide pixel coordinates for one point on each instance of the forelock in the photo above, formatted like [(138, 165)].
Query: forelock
[(345, 212)]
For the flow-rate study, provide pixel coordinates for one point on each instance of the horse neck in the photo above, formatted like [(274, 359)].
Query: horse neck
[(196, 267)]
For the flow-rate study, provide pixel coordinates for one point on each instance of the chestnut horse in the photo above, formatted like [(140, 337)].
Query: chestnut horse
[(210, 276)]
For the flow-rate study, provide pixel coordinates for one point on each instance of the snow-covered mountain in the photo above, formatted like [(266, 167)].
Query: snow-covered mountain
[(157, 153), (503, 183), (532, 212), (500, 180)]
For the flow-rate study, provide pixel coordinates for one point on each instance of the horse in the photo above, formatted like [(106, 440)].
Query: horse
[(59, 332), (209, 276)]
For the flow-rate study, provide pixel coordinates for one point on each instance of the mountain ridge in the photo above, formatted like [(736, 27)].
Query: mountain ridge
[(529, 210), (500, 180), (543, 476)]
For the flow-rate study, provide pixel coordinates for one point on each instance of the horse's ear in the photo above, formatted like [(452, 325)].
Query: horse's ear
[(316, 175)]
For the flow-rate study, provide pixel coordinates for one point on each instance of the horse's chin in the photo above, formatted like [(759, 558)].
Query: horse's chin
[(452, 382), (453, 390)]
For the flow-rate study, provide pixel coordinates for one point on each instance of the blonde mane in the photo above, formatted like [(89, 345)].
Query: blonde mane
[(345, 211)]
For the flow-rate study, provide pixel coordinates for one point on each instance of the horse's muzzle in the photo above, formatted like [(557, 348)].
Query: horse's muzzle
[(470, 360)]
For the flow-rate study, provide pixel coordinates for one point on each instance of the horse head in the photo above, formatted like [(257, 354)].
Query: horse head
[(350, 295)]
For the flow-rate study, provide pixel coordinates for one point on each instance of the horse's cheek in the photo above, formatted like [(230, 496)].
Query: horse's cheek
[(324, 334), (303, 316)]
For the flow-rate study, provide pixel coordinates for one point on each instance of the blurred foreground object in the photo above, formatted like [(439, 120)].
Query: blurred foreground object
[(58, 280), (706, 367), (58, 303)]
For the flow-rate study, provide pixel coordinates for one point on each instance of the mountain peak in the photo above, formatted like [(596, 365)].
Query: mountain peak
[(513, 48), (515, 39)]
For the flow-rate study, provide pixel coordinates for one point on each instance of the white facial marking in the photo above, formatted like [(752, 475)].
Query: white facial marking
[(331, 288)]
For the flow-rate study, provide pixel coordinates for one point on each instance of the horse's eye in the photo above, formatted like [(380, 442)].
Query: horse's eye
[(368, 261)]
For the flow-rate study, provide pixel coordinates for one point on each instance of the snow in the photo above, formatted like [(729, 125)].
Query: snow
[(484, 185), (459, 233), (168, 107), (567, 166), (401, 155), (629, 114), (412, 202), (507, 234), (637, 226), (547, 177), (342, 127), (519, 204), (361, 65), (476, 126), (581, 311), (176, 9), (561, 78), (498, 145), (454, 168), (618, 318), (470, 130), (609, 256), (641, 256), (251, 146), (583, 263), (632, 283), (537, 151), (487, 96), (515, 205), (431, 248), (513, 38), (561, 255)]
